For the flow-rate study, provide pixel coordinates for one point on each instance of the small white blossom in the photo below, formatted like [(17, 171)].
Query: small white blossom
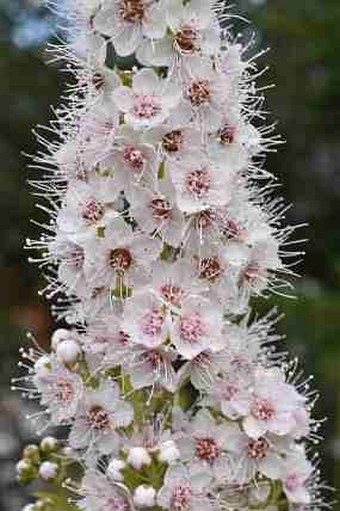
[(138, 457), (144, 496)]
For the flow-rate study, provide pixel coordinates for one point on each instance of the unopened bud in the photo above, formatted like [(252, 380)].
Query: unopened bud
[(49, 444), (145, 496), (68, 352), (138, 457), (59, 336), (48, 471), (32, 453)]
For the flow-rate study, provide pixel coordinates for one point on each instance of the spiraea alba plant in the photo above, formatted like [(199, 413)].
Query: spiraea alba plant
[(162, 229)]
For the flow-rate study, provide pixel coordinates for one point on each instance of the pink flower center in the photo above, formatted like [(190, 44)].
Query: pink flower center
[(199, 92), (120, 259), (205, 219), (226, 134), (263, 409), (251, 272), (257, 449), (181, 498), (145, 107), (92, 210), (154, 359), (132, 11), (160, 209), (117, 503), (63, 390), (228, 391), (98, 81), (198, 182), (134, 158), (172, 142), (172, 294), (123, 338), (186, 40), (292, 482), (202, 361), (152, 323), (210, 269), (191, 328), (98, 418), (207, 449)]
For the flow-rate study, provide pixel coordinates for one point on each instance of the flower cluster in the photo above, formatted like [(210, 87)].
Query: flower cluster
[(163, 228)]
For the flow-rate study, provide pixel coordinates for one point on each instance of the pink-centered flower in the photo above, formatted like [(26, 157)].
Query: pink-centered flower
[(148, 102)]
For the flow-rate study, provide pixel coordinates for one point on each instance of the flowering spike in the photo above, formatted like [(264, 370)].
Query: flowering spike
[(161, 225)]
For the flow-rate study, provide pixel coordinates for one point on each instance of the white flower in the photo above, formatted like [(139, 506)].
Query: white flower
[(156, 213), (203, 369), (134, 162), (174, 283), (251, 456), (231, 395), (200, 183), (146, 321), (102, 493), (120, 256), (61, 392), (100, 414), (204, 444), (184, 490), (152, 368), (128, 22), (297, 470), (149, 102), (85, 208), (174, 139), (205, 90), (48, 470), (192, 30), (144, 496), (272, 405), (138, 457), (197, 328), (70, 257)]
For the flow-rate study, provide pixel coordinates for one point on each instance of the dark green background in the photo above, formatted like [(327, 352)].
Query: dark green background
[(304, 37)]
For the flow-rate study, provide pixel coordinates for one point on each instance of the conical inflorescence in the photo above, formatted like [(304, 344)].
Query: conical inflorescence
[(162, 228)]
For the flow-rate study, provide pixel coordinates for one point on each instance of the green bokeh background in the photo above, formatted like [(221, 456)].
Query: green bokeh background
[(304, 37)]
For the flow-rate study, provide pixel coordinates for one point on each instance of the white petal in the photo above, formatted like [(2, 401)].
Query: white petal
[(145, 82), (123, 98)]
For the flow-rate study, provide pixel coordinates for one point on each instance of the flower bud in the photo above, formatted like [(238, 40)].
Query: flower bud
[(68, 352), (138, 457), (32, 453), (48, 471), (68, 452), (114, 470), (49, 444), (145, 496), (168, 452), (26, 472), (59, 336)]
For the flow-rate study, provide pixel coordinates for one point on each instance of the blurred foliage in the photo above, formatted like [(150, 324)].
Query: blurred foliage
[(304, 38)]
